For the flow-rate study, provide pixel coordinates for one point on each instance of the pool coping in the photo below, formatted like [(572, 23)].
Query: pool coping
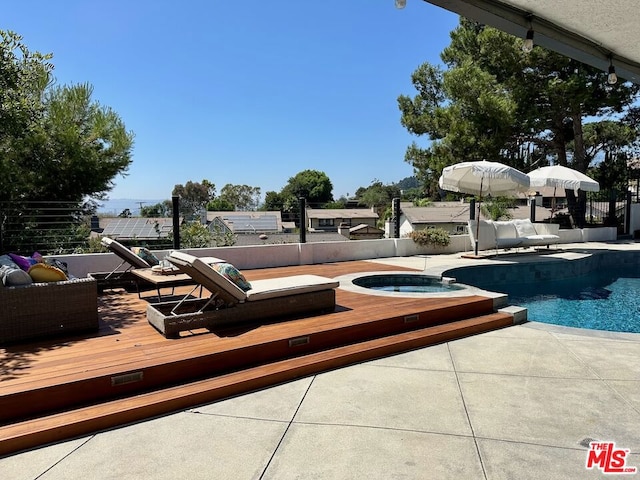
[(346, 283)]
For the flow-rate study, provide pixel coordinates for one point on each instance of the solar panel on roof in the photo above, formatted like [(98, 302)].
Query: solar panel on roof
[(141, 228)]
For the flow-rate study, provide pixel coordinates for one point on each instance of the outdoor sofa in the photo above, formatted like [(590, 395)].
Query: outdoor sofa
[(513, 234), (229, 304), (39, 300)]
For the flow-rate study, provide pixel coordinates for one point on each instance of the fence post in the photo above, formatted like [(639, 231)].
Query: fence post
[(303, 220), (2, 220), (175, 202), (395, 203), (612, 220), (532, 207), (627, 214)]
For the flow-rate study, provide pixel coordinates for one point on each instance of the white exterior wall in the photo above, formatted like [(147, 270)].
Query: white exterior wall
[(264, 256)]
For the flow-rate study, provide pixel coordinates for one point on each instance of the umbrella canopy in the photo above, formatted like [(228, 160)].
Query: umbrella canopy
[(559, 177), (483, 178)]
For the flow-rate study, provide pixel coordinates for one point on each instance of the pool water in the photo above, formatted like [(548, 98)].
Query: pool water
[(606, 300), (405, 283)]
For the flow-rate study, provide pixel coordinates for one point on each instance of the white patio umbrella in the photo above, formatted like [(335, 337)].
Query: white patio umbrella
[(483, 178), (560, 178)]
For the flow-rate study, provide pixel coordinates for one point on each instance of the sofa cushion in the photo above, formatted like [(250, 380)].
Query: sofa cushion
[(14, 276), (505, 230), (525, 228), (41, 272), (7, 260)]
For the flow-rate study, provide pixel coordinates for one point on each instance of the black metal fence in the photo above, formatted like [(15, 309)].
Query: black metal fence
[(609, 208), (46, 227)]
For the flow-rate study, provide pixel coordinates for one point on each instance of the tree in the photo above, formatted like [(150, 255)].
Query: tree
[(379, 196), (194, 197), (242, 197), (312, 185), (57, 145), (496, 103), (219, 204), (162, 209)]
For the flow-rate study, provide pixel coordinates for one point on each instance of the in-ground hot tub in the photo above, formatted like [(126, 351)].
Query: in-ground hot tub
[(407, 284), (411, 283)]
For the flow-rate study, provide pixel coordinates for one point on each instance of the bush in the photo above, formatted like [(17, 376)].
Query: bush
[(431, 236)]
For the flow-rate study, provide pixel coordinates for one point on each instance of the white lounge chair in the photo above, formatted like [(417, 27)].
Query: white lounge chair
[(228, 304)]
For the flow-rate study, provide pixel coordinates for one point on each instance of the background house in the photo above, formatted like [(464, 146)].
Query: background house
[(451, 216), (328, 220)]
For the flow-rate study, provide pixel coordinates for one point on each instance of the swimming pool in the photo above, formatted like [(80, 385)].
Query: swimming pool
[(598, 293), (606, 300)]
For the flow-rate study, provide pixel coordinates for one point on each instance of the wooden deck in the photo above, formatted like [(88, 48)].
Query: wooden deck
[(66, 387)]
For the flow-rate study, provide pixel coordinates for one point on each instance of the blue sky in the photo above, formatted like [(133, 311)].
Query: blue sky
[(244, 92)]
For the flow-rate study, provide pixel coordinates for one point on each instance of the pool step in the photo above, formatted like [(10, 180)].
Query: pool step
[(86, 420)]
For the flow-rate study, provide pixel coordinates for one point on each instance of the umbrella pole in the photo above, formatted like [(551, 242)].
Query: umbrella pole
[(478, 217)]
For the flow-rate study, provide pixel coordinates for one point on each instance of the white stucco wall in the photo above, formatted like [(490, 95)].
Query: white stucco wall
[(264, 256)]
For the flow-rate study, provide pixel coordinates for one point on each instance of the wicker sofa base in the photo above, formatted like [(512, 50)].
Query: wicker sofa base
[(187, 316), (47, 309)]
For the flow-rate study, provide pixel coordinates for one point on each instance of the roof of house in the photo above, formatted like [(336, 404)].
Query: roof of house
[(139, 228), (279, 238), (336, 213), (364, 228), (240, 222)]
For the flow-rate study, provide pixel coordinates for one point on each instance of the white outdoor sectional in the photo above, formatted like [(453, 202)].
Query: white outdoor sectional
[(513, 234)]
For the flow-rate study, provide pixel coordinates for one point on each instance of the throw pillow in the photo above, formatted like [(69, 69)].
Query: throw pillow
[(23, 262), (14, 276), (232, 274), (41, 272), (525, 228), (7, 260), (146, 255)]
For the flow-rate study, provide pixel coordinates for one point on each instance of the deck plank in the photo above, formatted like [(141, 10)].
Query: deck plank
[(73, 370)]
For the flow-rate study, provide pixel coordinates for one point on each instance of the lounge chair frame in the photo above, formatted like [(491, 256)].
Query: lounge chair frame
[(118, 278), (228, 305)]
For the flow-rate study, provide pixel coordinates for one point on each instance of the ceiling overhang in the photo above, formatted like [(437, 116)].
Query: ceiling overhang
[(594, 32)]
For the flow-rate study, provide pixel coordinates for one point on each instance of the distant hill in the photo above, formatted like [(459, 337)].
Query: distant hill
[(117, 205)]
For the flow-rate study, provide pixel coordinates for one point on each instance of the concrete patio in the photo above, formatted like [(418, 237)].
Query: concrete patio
[(521, 402)]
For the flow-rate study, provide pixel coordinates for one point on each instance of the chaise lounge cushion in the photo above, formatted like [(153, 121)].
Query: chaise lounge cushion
[(285, 286), (279, 298), (124, 253), (213, 281)]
